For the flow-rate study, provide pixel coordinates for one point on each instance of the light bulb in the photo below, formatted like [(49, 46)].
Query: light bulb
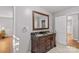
[(2, 28)]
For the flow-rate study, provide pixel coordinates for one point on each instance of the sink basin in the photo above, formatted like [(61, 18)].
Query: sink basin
[(43, 34), (40, 35)]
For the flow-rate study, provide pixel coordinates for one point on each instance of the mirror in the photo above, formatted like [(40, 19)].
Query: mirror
[(40, 21)]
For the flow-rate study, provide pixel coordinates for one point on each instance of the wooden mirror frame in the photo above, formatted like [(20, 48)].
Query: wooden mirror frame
[(34, 20)]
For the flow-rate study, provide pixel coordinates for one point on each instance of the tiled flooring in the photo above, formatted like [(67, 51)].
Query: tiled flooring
[(63, 49)]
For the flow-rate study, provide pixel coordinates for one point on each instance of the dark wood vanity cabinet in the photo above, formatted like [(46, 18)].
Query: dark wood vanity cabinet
[(43, 44)]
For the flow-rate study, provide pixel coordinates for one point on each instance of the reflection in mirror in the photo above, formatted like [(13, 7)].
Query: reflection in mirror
[(40, 21)]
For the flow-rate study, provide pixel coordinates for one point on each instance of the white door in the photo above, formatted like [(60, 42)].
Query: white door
[(60, 27)]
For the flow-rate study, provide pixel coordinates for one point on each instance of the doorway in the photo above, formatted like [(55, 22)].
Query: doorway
[(73, 30)]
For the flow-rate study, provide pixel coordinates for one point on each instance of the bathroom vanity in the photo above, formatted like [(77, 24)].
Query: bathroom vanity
[(41, 43)]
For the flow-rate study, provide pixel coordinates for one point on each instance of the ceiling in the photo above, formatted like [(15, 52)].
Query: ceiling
[(54, 9)]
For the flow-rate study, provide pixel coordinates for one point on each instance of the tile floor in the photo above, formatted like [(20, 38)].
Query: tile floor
[(63, 49)]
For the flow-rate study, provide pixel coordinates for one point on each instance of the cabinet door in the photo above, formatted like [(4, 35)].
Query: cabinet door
[(34, 46), (47, 43), (41, 44), (52, 41)]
